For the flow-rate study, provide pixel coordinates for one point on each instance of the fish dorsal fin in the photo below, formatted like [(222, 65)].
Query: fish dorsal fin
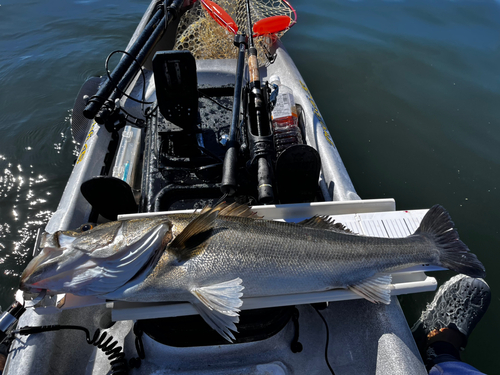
[(376, 289), (219, 305), (324, 222), (237, 210), (234, 209), (208, 208), (190, 241)]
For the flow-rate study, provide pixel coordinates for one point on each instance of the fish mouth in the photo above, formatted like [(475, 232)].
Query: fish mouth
[(52, 269), (45, 265), (65, 266), (39, 261)]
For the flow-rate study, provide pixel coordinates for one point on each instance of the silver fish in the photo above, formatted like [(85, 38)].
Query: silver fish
[(206, 259)]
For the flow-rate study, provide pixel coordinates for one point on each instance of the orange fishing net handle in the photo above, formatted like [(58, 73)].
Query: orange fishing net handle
[(220, 16), (271, 24)]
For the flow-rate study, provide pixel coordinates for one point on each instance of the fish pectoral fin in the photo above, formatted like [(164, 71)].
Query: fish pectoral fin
[(219, 305), (376, 289), (221, 323), (189, 242), (325, 222)]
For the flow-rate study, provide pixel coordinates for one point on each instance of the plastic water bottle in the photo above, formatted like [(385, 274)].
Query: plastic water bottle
[(284, 118)]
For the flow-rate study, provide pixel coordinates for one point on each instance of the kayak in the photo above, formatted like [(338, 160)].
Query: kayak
[(207, 106)]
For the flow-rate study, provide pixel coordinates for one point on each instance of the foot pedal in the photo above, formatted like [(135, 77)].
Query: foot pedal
[(297, 174), (177, 87)]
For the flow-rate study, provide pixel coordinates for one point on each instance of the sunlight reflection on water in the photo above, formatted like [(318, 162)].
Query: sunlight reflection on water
[(26, 206)]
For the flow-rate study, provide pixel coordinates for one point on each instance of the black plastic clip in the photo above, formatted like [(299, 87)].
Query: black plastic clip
[(241, 39)]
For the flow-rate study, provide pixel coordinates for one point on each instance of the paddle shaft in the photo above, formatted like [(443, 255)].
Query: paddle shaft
[(127, 69)]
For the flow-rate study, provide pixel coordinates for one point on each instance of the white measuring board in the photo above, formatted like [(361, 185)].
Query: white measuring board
[(367, 217)]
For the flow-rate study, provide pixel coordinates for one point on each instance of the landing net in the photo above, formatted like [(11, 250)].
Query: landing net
[(205, 39)]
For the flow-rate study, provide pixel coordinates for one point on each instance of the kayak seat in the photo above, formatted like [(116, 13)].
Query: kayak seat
[(109, 196), (177, 87)]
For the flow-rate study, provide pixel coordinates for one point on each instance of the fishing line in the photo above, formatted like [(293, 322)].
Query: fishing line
[(138, 122), (327, 338), (210, 154), (221, 199), (215, 101), (106, 64)]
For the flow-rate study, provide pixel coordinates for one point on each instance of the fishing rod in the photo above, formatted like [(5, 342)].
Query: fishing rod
[(260, 127), (265, 26), (229, 183)]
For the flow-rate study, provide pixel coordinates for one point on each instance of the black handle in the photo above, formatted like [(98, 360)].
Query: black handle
[(265, 178), (96, 102), (130, 64), (229, 182)]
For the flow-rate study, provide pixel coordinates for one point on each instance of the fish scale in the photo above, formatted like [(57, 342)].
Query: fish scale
[(302, 259), (213, 258)]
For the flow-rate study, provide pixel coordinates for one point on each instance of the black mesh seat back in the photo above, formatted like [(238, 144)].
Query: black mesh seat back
[(177, 87)]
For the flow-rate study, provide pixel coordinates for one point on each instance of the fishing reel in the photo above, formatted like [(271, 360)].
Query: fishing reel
[(261, 154)]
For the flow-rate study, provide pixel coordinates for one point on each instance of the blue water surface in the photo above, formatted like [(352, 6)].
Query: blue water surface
[(410, 91)]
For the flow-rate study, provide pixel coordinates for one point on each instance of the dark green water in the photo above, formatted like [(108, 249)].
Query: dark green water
[(410, 91)]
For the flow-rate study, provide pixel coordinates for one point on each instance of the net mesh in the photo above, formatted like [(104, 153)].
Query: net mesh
[(205, 39)]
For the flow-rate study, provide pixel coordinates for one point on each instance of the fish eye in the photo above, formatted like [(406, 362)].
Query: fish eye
[(86, 227)]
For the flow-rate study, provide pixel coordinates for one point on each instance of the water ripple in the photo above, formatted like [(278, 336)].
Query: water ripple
[(27, 201)]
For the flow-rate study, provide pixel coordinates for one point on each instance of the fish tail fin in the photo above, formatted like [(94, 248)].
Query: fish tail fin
[(453, 253)]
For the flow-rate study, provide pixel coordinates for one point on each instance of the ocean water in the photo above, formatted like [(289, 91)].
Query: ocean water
[(410, 91)]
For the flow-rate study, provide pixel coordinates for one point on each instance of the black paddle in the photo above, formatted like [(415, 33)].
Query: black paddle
[(102, 104)]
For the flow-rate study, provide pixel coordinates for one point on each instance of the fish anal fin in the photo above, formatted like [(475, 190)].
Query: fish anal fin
[(376, 289), (324, 222), (190, 242), (219, 305)]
